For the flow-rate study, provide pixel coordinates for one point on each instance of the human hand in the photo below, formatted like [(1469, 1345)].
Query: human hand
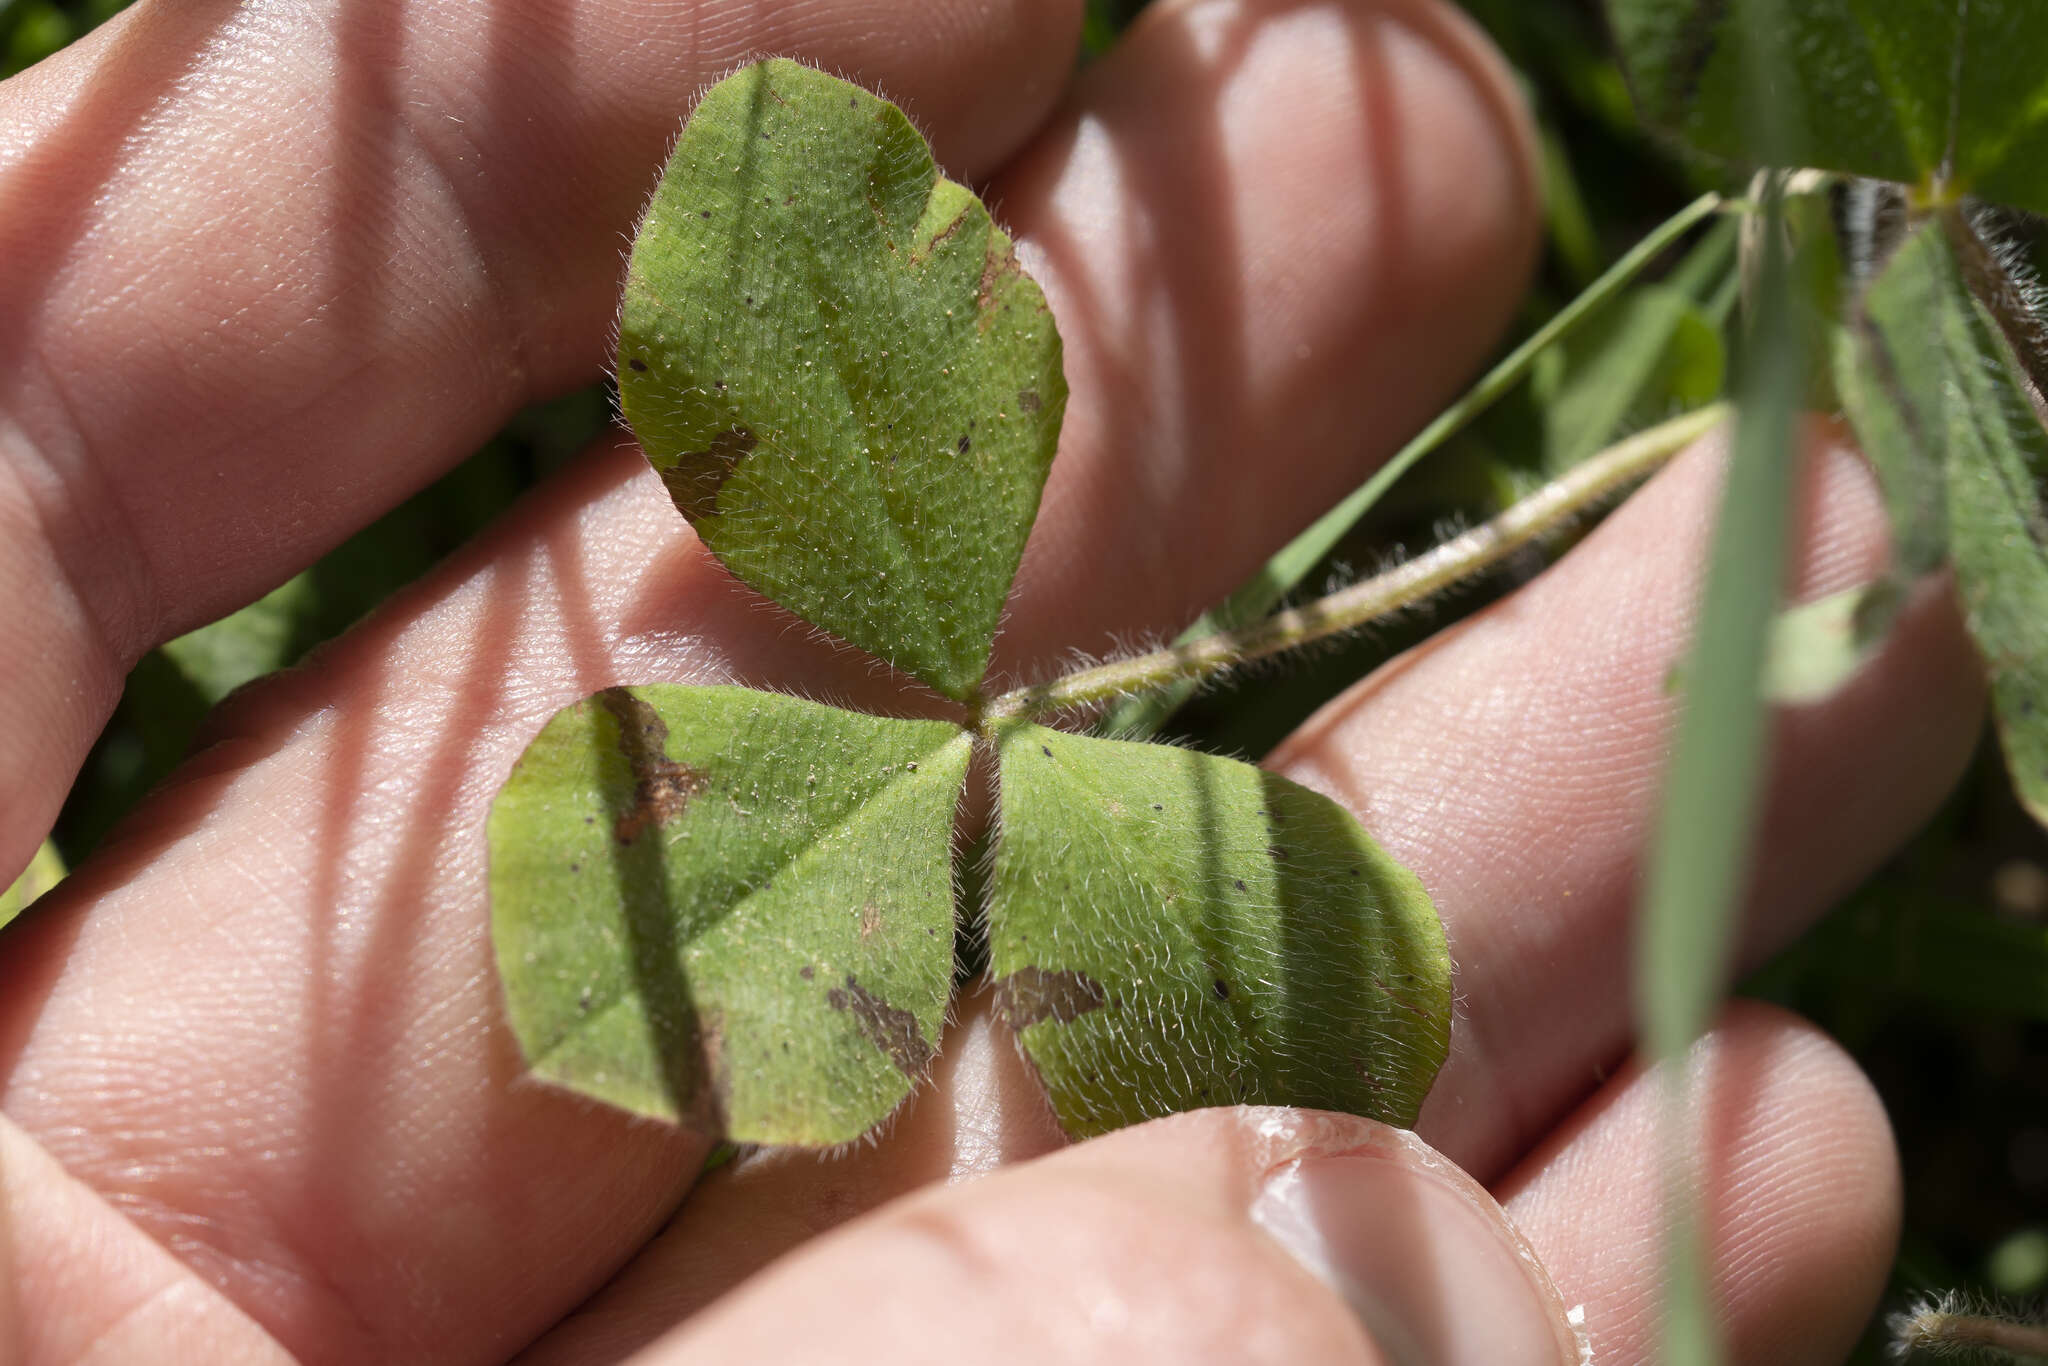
[(268, 268)]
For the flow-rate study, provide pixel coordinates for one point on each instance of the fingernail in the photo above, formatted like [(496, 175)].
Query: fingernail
[(1422, 1254)]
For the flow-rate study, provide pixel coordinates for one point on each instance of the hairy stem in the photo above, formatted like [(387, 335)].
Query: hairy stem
[(1459, 558), (1940, 1331), (1308, 548)]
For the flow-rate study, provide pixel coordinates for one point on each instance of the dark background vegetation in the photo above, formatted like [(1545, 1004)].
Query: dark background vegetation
[(1935, 973)]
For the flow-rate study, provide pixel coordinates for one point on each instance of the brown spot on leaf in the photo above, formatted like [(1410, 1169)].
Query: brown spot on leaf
[(807, 972), (870, 920), (637, 366), (661, 786), (695, 479), (1029, 401), (1031, 995), (1365, 1074), (994, 266), (1413, 1009), (895, 1032), (919, 255)]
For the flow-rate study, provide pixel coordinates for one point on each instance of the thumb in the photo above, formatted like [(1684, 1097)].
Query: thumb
[(1242, 1235)]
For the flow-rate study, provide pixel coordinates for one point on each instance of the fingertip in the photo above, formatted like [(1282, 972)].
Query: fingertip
[(1798, 1178), (1805, 1242), (1236, 1235), (1007, 67)]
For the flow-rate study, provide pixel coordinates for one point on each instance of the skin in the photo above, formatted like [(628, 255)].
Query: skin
[(270, 268)]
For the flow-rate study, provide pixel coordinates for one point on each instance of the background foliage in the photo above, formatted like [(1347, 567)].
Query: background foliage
[(1935, 973)]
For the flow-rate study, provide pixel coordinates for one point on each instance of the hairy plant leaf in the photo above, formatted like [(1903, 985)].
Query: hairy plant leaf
[(845, 379), (1890, 363), (1940, 403), (1998, 532), (1169, 930), (729, 908), (1925, 92)]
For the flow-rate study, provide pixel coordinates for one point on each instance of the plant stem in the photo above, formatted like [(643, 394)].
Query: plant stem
[(1279, 575), (1947, 1332), (1310, 547), (1196, 661)]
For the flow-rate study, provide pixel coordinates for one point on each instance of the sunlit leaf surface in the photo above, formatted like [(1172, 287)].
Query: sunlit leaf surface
[(846, 380), (1170, 930), (729, 908)]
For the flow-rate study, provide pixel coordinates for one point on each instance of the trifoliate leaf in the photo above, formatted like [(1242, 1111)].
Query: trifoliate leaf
[(1170, 930), (848, 384), (729, 908)]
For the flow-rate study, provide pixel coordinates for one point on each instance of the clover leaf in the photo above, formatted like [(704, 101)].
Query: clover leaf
[(735, 910)]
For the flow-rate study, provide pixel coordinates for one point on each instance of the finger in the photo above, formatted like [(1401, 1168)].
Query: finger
[(334, 838), (1239, 1236), (982, 1109), (268, 268), (80, 1286), (1237, 371), (1514, 763), (1798, 1181)]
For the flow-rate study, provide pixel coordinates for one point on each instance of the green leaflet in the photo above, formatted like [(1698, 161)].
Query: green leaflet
[(1998, 530), (729, 908), (44, 871), (1924, 92), (1891, 367), (1939, 403), (1170, 930), (848, 384)]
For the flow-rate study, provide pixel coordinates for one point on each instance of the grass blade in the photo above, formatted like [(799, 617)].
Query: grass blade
[(1279, 576)]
